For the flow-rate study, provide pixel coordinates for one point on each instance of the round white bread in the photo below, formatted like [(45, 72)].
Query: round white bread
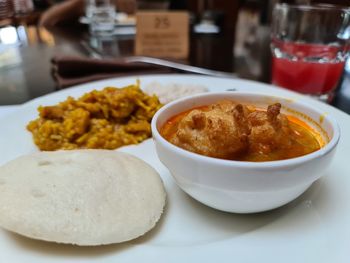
[(82, 197)]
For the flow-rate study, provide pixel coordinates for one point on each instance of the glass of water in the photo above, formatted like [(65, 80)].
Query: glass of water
[(101, 14), (310, 44)]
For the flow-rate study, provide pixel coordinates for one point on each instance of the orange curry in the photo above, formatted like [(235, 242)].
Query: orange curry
[(232, 131)]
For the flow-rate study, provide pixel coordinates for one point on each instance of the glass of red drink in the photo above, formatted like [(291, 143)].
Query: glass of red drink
[(310, 44)]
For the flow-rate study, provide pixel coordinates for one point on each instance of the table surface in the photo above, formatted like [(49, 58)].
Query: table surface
[(25, 54)]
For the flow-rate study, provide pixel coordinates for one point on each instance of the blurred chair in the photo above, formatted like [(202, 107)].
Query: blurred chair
[(6, 12), (23, 6), (19, 12)]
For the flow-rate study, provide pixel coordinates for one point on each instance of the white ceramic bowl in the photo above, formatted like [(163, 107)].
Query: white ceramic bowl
[(245, 187)]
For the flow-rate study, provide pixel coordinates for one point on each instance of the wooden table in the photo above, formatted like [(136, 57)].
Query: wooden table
[(25, 71)]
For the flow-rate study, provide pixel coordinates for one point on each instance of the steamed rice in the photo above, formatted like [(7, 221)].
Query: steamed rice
[(169, 92)]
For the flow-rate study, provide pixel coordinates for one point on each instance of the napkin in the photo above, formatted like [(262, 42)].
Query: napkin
[(72, 70)]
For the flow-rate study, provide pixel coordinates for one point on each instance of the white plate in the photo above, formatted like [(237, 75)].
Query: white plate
[(313, 228)]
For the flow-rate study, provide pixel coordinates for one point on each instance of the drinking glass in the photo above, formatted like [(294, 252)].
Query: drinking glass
[(101, 14), (309, 44)]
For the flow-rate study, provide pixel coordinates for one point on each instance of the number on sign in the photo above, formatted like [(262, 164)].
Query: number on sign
[(161, 22)]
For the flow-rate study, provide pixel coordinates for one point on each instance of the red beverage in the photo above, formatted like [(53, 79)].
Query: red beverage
[(307, 68)]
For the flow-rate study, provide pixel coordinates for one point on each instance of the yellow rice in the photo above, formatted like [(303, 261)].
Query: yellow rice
[(105, 119)]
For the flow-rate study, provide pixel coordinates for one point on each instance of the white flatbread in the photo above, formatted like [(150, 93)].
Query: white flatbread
[(82, 197)]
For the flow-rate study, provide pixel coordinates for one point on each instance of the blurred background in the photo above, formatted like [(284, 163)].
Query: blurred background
[(226, 35)]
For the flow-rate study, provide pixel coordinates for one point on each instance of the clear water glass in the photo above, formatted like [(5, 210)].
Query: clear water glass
[(89, 7), (101, 14), (309, 44)]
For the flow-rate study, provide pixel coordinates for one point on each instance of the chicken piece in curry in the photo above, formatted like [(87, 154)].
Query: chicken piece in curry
[(269, 130), (234, 131), (207, 132)]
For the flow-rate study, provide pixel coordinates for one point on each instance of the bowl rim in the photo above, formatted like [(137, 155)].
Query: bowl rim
[(232, 163)]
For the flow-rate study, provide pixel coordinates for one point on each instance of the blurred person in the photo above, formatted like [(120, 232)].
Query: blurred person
[(62, 13)]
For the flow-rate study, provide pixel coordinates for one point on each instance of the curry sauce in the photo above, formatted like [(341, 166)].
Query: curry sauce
[(302, 139)]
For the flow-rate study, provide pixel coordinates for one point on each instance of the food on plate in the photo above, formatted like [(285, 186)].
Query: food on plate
[(105, 119), (82, 197), (234, 131), (172, 91)]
